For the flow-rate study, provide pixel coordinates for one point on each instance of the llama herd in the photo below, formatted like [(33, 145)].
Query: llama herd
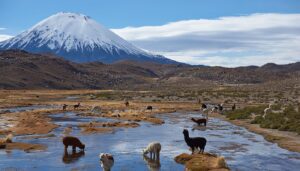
[(151, 153), (154, 148)]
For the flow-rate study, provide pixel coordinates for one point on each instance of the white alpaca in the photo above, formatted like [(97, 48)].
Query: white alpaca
[(107, 161), (267, 110), (153, 148)]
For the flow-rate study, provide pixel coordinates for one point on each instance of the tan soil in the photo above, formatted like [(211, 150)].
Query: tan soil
[(24, 146), (202, 162), (94, 130)]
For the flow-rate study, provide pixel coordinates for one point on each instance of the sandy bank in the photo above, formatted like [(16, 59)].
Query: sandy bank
[(23, 146), (203, 162)]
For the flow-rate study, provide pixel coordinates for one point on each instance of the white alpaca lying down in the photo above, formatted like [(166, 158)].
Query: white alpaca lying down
[(153, 148), (107, 161)]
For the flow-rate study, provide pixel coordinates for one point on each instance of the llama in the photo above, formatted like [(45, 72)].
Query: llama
[(233, 107), (149, 108), (153, 148), (266, 110), (74, 142), (76, 106), (203, 106), (107, 161), (194, 143), (126, 103), (220, 107), (65, 107), (200, 121)]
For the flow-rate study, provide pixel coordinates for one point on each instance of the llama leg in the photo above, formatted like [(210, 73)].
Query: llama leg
[(66, 147), (74, 148), (192, 150)]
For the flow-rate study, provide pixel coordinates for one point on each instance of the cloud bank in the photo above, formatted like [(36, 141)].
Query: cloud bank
[(226, 41), (4, 37)]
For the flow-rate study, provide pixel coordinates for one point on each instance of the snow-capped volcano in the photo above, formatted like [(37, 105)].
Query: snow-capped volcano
[(78, 38)]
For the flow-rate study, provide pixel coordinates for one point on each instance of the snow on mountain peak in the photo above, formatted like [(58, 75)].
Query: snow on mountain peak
[(77, 31), (77, 37)]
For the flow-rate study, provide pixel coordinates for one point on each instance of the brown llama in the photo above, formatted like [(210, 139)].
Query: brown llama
[(76, 106)]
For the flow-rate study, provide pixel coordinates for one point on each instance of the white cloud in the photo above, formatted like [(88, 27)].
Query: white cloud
[(227, 41), (4, 37)]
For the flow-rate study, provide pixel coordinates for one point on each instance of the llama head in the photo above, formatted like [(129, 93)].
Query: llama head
[(185, 132), (145, 151), (107, 161), (82, 146), (106, 156)]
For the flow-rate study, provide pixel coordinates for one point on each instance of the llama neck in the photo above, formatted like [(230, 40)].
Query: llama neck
[(186, 137)]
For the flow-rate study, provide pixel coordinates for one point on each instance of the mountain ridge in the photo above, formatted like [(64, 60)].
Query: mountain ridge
[(24, 70)]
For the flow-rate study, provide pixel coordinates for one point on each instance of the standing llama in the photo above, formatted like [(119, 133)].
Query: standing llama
[(194, 143)]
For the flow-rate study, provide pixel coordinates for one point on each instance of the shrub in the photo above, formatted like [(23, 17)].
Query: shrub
[(288, 120), (244, 113)]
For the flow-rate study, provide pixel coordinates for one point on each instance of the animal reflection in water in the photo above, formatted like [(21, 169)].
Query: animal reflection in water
[(153, 159), (72, 157), (152, 163)]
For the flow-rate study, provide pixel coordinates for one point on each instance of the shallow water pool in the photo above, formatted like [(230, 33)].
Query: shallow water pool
[(242, 149)]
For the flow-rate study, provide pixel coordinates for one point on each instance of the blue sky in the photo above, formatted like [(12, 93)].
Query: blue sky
[(18, 15), (210, 32)]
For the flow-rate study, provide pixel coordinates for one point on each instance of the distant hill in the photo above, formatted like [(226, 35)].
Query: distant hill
[(24, 70)]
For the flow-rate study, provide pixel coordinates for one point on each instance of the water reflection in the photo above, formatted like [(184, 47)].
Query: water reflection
[(72, 157), (152, 163)]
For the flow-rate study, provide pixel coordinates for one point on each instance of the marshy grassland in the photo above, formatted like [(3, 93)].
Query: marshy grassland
[(281, 124)]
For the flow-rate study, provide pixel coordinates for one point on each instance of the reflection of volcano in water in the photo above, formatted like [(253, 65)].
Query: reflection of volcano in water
[(72, 157)]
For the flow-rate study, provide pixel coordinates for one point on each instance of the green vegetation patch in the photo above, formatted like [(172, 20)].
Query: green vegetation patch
[(244, 113), (288, 120)]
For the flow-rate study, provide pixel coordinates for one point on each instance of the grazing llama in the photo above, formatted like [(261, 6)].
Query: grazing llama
[(74, 142), (149, 108), (153, 148), (233, 107)]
